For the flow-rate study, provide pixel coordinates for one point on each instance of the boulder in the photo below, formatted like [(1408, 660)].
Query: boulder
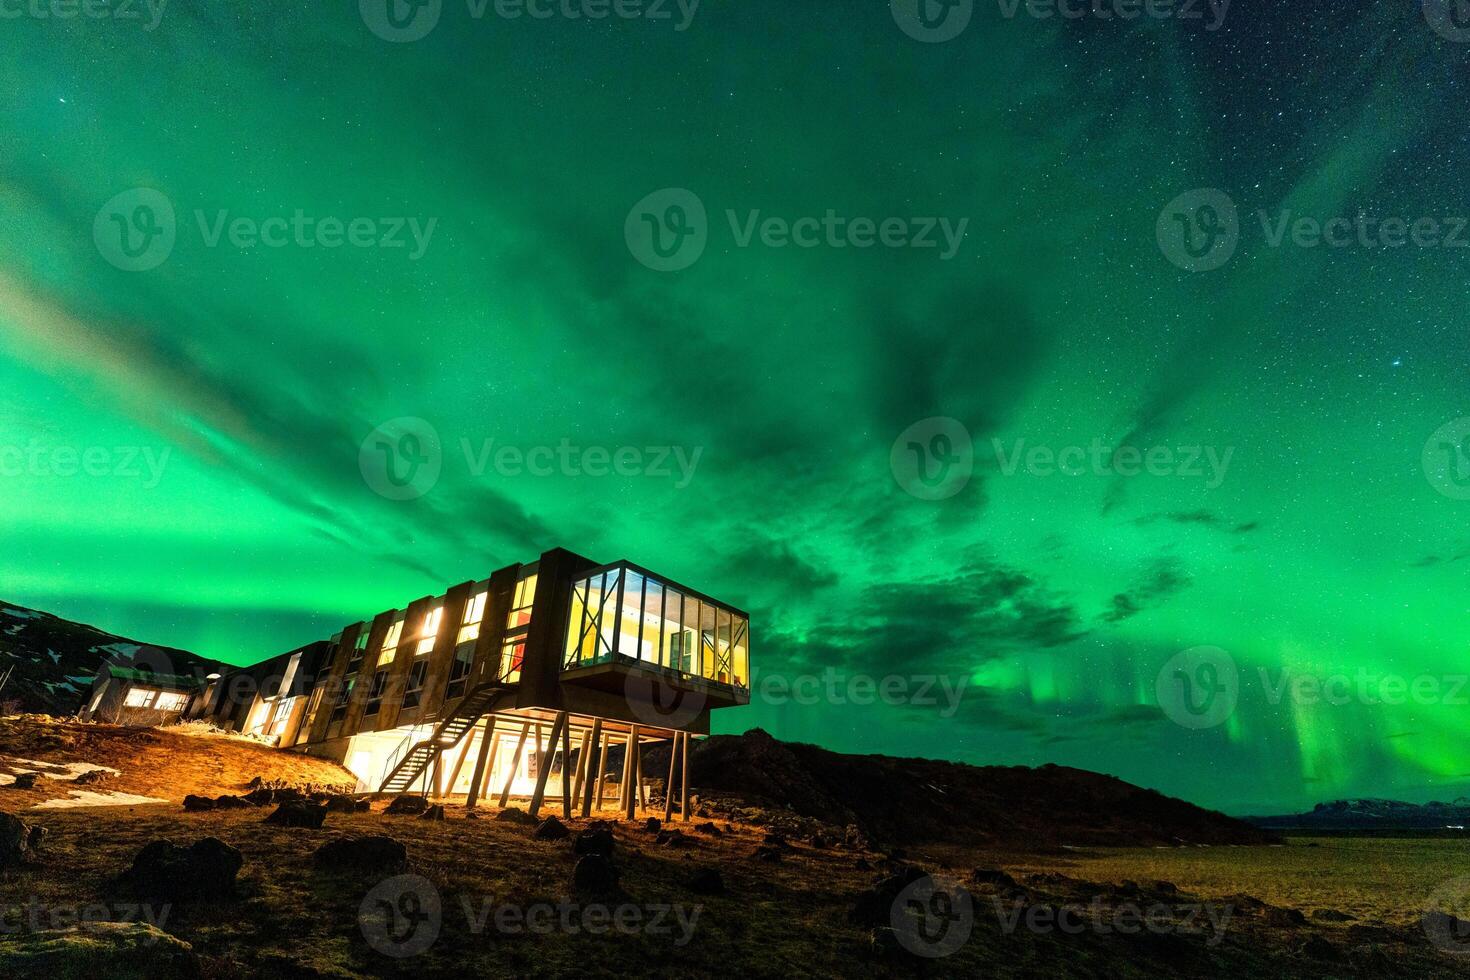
[(268, 797), (361, 855), (199, 804), (708, 827), (594, 875), (874, 907), (771, 855), (596, 840), (675, 838), (364, 806), (513, 815), (26, 780), (231, 803), (255, 784), (992, 876), (407, 805), (92, 776), (205, 869), (1330, 915), (116, 950), (707, 881), (778, 842), (19, 841), (435, 812), (552, 829), (652, 825), (341, 804), (298, 813)]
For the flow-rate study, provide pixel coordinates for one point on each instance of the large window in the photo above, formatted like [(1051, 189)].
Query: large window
[(413, 692), (390, 643), (521, 603), (430, 632), (375, 695), (474, 612), (621, 612)]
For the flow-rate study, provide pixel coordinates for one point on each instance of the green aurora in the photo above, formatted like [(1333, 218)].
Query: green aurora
[(254, 374)]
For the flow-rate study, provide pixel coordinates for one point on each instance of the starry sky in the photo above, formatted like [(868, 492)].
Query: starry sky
[(191, 412)]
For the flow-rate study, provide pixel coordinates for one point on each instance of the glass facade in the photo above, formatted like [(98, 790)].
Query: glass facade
[(622, 612)]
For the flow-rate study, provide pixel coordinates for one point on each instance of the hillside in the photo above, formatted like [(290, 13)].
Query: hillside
[(898, 800), (55, 659)]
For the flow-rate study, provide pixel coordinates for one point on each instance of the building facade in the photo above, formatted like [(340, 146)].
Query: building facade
[(490, 687)]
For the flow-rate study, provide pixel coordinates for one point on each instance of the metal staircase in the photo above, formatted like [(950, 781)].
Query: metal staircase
[(471, 708)]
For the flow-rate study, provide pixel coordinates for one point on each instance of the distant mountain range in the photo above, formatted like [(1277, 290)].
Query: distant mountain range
[(1374, 814), (55, 660)]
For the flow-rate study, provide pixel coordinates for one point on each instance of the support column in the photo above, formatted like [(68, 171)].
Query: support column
[(630, 775), (583, 768), (669, 783), (543, 766), (484, 764), (566, 775), (593, 743), (515, 764), (601, 766), (684, 765)]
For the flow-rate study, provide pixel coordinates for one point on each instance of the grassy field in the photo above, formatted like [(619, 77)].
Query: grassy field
[(1371, 879)]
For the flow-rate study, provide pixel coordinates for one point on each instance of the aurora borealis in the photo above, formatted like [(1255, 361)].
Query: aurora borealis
[(448, 229)]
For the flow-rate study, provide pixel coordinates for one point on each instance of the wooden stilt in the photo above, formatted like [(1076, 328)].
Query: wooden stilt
[(593, 738), (543, 765), (515, 763), (566, 774), (641, 785), (484, 765), (582, 770), (464, 752), (630, 775), (684, 779), (601, 763), (669, 783)]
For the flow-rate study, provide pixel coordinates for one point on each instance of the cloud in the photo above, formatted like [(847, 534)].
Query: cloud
[(1165, 578)]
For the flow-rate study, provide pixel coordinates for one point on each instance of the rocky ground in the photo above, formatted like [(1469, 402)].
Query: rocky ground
[(242, 874)]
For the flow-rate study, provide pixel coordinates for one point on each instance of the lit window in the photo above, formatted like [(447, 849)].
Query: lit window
[(431, 631), (474, 611), (390, 643), (170, 701), (520, 606), (512, 655), (139, 697)]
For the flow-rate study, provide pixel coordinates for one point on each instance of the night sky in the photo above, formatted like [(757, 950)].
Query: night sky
[(1304, 512)]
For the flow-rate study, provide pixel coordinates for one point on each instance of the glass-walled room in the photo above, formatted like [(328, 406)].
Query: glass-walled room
[(620, 611)]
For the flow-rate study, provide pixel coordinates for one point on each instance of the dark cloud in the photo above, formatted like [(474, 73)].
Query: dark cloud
[(1166, 577), (1202, 518)]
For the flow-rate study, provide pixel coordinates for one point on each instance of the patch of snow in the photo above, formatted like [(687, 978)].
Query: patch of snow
[(62, 772), (55, 657), (15, 613), (13, 630), (82, 797), (129, 649)]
